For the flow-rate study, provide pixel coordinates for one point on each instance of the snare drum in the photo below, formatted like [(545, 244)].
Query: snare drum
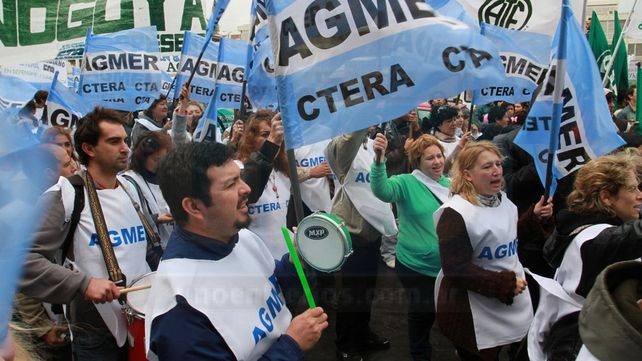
[(323, 241), (135, 311)]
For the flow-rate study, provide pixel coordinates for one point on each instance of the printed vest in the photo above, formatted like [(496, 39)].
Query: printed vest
[(239, 294)]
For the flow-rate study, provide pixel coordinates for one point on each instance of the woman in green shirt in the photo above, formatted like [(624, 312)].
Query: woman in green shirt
[(417, 195)]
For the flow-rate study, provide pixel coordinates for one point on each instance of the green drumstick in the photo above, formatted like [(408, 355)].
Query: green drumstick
[(299, 268)]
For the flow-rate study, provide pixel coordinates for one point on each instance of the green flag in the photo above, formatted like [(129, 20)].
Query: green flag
[(620, 62), (601, 49)]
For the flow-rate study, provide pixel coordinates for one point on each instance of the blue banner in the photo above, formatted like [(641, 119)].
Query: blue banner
[(261, 84), (581, 123), (341, 72), (21, 182), (167, 85), (121, 70), (230, 73), (14, 92), (64, 106), (453, 9), (525, 56), (204, 80), (206, 129)]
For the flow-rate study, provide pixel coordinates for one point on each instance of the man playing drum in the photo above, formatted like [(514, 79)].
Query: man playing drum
[(100, 328), (217, 294)]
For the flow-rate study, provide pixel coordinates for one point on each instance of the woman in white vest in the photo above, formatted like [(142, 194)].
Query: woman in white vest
[(141, 173), (482, 300), (417, 196), (266, 172), (600, 227), (315, 176)]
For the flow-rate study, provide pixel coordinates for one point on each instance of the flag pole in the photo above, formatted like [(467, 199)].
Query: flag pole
[(560, 75), (617, 45), (248, 60)]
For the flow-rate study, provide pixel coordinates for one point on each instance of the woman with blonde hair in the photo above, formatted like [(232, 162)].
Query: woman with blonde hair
[(482, 300), (600, 227), (417, 196), (61, 136)]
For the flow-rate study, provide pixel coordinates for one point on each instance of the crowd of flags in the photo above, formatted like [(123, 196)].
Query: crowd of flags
[(370, 78)]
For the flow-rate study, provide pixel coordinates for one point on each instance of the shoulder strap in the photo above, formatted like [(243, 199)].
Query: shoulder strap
[(79, 205), (113, 269), (141, 197), (149, 230)]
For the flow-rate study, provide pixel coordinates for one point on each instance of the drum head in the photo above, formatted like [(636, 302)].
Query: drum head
[(137, 300), (323, 242)]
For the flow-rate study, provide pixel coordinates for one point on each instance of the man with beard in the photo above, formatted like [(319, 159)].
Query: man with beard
[(85, 282), (217, 294)]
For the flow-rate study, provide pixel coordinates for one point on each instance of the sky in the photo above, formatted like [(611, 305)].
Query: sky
[(237, 13)]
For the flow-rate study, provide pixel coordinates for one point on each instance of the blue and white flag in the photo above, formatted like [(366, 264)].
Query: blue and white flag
[(21, 182), (525, 56), (218, 8), (261, 84), (167, 85), (204, 80), (14, 92), (582, 120), (64, 106), (230, 73), (453, 9), (206, 129), (121, 70), (541, 16), (338, 70)]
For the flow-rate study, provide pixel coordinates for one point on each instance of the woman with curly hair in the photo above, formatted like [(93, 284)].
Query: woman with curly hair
[(482, 300), (600, 227)]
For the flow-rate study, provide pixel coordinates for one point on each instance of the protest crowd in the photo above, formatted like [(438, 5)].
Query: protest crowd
[(156, 230)]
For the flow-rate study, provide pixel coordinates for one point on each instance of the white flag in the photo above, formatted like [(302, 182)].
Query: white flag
[(634, 30), (539, 16)]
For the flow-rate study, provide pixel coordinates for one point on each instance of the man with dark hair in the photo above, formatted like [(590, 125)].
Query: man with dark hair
[(74, 226), (217, 292), (498, 122)]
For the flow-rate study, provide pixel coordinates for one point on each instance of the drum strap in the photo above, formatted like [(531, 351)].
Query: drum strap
[(115, 274)]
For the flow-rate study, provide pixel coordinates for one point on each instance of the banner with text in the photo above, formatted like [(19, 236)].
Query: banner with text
[(40, 30), (586, 130), (121, 70), (539, 16), (64, 106), (525, 56), (344, 71)]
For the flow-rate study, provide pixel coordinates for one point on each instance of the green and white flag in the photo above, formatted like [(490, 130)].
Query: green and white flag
[(634, 30), (601, 49), (620, 61)]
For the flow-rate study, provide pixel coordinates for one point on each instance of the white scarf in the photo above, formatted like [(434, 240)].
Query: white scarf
[(439, 191)]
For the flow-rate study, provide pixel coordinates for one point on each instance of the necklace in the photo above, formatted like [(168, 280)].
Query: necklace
[(272, 180)]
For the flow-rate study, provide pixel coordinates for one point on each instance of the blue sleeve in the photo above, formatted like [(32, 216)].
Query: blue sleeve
[(184, 333)]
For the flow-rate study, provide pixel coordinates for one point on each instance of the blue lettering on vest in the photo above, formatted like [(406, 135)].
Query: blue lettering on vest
[(274, 304), (311, 162), (125, 236), (503, 250), (264, 208), (363, 177)]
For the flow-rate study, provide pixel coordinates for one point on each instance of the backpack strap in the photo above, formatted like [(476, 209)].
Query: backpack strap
[(79, 205)]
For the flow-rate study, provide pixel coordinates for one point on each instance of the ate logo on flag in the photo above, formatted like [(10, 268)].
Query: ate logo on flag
[(510, 14)]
